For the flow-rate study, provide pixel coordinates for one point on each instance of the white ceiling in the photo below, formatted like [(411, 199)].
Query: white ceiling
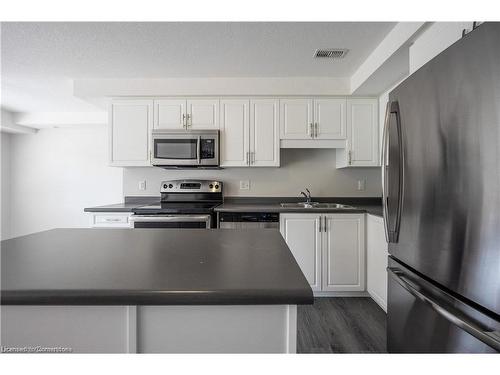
[(39, 60)]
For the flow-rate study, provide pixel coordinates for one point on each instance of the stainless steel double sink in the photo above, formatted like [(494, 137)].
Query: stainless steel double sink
[(316, 205)]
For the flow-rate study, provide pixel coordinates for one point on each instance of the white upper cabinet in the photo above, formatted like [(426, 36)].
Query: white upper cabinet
[(264, 133), (330, 118), (310, 119), (362, 148), (249, 133), (169, 113), (202, 113), (130, 124), (343, 253), (302, 235), (296, 118), (234, 133), (182, 113)]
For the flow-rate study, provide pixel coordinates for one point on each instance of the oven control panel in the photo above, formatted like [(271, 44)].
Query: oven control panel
[(191, 186)]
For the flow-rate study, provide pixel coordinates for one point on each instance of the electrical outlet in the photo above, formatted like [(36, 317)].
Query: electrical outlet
[(361, 185), (244, 185), (142, 185)]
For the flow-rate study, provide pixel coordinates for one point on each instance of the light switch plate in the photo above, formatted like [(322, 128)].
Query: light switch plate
[(244, 185), (361, 185), (142, 185)]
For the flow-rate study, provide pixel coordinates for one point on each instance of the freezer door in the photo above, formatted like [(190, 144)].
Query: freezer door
[(448, 114), (423, 318)]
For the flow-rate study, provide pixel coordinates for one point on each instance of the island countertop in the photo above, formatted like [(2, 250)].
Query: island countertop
[(151, 267)]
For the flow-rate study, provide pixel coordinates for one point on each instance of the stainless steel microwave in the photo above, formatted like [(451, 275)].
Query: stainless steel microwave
[(185, 149)]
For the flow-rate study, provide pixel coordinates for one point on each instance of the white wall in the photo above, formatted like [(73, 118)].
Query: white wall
[(5, 222), (438, 37), (56, 173), (300, 168)]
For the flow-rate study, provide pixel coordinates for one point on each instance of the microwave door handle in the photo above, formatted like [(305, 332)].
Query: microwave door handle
[(198, 150)]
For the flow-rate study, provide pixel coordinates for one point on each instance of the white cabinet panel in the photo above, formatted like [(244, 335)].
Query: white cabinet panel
[(343, 253), (203, 113), (362, 147), (330, 118), (376, 248), (130, 123), (301, 233), (169, 113), (296, 117), (235, 132), (264, 134)]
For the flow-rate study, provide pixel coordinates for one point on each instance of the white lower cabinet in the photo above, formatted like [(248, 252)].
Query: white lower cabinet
[(302, 235), (110, 219), (376, 248), (343, 253), (329, 248)]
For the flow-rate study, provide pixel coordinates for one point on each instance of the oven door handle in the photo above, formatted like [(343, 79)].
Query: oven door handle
[(169, 218)]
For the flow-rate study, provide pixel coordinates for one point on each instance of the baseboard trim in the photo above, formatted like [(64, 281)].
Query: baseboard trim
[(341, 294)]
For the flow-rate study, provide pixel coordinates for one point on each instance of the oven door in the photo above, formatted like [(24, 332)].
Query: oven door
[(171, 221), (177, 149)]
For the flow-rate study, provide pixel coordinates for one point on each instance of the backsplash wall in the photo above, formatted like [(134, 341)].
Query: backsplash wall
[(300, 168)]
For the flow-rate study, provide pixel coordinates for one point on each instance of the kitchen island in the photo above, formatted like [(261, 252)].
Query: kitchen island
[(151, 290)]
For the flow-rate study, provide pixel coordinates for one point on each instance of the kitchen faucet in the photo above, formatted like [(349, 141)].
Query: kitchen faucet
[(308, 195)]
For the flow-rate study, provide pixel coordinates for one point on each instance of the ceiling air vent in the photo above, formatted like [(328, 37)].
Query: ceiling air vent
[(332, 53)]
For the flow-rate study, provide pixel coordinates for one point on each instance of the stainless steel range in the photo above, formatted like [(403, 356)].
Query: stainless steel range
[(183, 204)]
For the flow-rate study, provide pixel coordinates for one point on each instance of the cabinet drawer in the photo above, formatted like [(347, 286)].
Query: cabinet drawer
[(110, 220)]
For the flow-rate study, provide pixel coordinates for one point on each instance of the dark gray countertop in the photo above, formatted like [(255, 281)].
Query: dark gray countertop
[(372, 206), (151, 267), (127, 206), (266, 204)]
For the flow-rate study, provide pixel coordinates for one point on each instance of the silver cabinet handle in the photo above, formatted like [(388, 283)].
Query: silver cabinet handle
[(319, 226), (247, 159), (184, 122), (252, 157), (450, 313), (198, 150), (316, 130), (189, 120), (324, 225), (311, 131), (349, 157)]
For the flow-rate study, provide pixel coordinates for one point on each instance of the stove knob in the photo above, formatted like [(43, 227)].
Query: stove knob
[(211, 186), (170, 186), (164, 186), (216, 186)]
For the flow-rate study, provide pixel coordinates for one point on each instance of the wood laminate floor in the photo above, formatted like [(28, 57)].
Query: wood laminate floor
[(341, 325)]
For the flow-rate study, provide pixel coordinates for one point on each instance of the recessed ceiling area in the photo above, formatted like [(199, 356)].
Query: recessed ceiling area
[(40, 60)]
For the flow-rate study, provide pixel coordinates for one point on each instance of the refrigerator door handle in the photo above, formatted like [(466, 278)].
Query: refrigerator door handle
[(453, 315), (392, 234), (385, 137)]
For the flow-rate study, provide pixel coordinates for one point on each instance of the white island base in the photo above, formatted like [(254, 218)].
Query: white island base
[(151, 329)]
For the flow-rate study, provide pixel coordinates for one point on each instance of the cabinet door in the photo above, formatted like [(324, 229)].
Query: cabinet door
[(296, 117), (363, 132), (301, 233), (264, 135), (169, 113), (344, 253), (330, 118), (203, 113), (376, 262), (130, 123), (234, 133)]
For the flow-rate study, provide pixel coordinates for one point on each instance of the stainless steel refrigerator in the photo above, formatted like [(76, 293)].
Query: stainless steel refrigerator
[(441, 177)]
